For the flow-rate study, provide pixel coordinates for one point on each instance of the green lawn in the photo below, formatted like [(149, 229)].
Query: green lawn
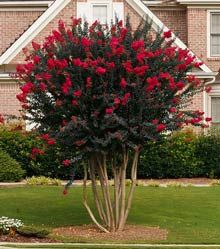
[(191, 215)]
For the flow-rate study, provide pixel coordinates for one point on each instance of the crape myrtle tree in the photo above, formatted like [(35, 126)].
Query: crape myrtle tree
[(105, 92)]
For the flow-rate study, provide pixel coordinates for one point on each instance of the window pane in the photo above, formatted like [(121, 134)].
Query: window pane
[(100, 13), (215, 109), (215, 44), (215, 23)]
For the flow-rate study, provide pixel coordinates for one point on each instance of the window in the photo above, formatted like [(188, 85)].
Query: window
[(100, 13), (214, 34), (212, 104), (103, 10), (215, 110)]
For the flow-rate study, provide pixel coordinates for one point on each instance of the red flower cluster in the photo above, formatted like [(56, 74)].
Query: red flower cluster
[(77, 93), (47, 139), (167, 34), (160, 127), (109, 110), (57, 64), (1, 119), (66, 162), (139, 44), (152, 83), (66, 86), (35, 152), (100, 70), (26, 89)]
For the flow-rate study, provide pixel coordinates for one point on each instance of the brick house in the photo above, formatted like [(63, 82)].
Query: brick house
[(197, 23)]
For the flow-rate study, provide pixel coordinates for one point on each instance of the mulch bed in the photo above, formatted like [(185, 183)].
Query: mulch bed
[(20, 239), (130, 233)]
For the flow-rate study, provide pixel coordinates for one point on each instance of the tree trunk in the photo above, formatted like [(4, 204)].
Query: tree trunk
[(112, 206)]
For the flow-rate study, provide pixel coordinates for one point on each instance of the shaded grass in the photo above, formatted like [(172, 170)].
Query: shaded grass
[(191, 215)]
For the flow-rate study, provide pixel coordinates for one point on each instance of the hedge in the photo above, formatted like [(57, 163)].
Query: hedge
[(10, 169), (184, 154), (174, 157), (18, 144)]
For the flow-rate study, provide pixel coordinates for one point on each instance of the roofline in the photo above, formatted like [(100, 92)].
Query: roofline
[(5, 76), (158, 2), (198, 2), (25, 3), (203, 75), (33, 31), (143, 11)]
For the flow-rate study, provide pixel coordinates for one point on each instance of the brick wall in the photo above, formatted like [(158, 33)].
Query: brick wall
[(175, 20), (8, 103), (13, 23), (134, 16), (197, 36), (66, 14)]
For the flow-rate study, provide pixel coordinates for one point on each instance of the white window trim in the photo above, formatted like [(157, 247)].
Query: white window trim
[(215, 92), (99, 2), (84, 10), (209, 13)]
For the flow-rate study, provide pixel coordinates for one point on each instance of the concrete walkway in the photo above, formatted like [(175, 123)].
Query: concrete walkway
[(5, 245), (195, 182)]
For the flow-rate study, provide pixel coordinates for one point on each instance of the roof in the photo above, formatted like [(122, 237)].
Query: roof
[(25, 3), (22, 0), (58, 5), (180, 2)]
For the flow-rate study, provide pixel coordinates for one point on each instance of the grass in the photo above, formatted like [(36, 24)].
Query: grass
[(191, 215)]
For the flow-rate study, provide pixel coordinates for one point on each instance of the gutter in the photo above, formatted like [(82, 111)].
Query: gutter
[(6, 77), (25, 3), (198, 2), (208, 77)]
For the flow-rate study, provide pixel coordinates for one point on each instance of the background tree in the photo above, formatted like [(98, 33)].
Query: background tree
[(106, 92)]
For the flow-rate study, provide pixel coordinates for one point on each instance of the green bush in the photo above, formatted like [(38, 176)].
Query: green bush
[(29, 231), (181, 155), (18, 144), (10, 169), (208, 151), (182, 160), (173, 157)]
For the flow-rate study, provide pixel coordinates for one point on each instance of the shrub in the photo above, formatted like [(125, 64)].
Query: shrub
[(10, 169), (173, 157), (207, 150), (29, 231), (181, 158), (42, 180), (18, 144)]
